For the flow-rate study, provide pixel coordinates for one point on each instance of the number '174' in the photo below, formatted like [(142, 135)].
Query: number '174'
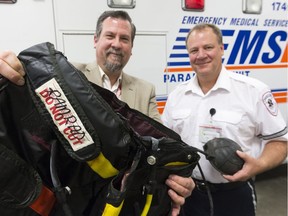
[(277, 6)]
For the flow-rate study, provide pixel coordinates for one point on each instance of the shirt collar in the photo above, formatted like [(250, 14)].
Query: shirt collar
[(223, 82), (106, 81)]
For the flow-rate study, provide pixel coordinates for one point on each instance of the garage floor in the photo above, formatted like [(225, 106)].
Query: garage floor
[(271, 188)]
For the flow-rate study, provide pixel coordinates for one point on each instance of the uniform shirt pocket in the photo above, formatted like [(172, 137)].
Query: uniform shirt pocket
[(181, 114), (181, 119), (227, 116)]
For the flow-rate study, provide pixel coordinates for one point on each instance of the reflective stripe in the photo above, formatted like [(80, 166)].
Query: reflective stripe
[(112, 210), (44, 203), (147, 204), (275, 135), (253, 193), (102, 166)]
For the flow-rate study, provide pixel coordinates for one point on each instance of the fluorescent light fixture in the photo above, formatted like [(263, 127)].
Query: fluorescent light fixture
[(121, 3), (252, 6), (8, 1)]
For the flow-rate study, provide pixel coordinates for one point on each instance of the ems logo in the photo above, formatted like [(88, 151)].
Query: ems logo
[(270, 103)]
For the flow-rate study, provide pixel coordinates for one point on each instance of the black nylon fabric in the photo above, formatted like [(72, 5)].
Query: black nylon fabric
[(117, 131), (23, 131), (15, 171)]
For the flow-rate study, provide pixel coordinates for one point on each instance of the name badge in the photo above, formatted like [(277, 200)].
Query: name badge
[(208, 132)]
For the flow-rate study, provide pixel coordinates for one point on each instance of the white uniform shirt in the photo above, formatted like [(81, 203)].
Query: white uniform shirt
[(246, 112)]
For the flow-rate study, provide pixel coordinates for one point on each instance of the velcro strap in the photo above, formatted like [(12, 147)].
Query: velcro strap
[(147, 206), (44, 203), (112, 210), (98, 163)]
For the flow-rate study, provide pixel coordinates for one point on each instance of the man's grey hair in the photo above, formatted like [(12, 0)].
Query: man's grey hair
[(115, 14)]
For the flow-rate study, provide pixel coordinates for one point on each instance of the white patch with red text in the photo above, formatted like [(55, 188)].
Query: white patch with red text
[(270, 103), (63, 115)]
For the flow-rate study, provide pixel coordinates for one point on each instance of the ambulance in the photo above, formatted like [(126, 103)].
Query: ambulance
[(254, 34)]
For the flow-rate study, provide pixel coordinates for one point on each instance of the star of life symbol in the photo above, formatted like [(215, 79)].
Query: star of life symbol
[(270, 103)]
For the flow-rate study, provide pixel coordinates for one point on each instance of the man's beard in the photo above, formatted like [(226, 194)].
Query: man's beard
[(114, 66)]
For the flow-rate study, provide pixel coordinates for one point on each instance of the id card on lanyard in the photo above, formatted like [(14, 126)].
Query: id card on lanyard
[(210, 130)]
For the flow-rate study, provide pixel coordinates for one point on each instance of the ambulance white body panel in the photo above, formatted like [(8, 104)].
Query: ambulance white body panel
[(255, 42)]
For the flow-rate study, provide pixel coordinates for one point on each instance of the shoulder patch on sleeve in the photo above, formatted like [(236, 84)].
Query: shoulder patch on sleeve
[(270, 103)]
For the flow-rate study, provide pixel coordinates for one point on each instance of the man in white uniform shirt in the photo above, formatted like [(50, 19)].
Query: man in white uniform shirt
[(219, 103)]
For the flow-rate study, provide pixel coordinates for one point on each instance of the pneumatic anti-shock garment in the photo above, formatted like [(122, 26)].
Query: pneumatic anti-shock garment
[(78, 149)]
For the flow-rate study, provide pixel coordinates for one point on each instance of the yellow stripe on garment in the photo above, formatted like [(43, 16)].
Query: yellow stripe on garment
[(102, 166), (176, 163), (111, 210), (147, 204)]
